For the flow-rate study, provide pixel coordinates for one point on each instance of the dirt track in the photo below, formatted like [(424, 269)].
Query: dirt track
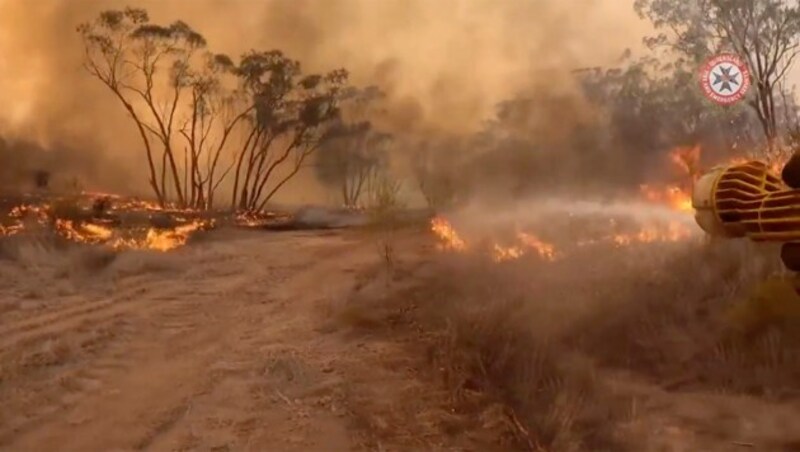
[(236, 342), (216, 346)]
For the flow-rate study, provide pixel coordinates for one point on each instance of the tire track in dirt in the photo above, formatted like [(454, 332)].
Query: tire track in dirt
[(152, 407), (261, 321), (275, 361), (83, 314), (60, 314), (52, 388), (91, 335), (125, 288), (174, 345), (107, 312)]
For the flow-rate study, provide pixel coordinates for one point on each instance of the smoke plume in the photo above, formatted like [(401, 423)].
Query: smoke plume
[(444, 64)]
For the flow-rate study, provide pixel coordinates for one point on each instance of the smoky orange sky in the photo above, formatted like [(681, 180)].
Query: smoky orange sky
[(444, 63)]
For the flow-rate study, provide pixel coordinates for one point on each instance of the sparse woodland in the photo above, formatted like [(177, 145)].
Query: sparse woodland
[(248, 125), (626, 118), (205, 120)]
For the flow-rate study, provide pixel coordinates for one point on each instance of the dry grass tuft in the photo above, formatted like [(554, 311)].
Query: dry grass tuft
[(505, 377), (385, 211), (494, 346), (534, 352), (716, 321)]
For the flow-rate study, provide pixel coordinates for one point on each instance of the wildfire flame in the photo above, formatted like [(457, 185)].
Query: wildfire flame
[(257, 219), (449, 238), (170, 239), (674, 232), (98, 231), (527, 243), (676, 197), (84, 232), (118, 203), (687, 159), (154, 239), (672, 196), (545, 250), (500, 254)]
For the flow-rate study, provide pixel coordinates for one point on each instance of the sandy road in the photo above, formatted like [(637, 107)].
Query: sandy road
[(213, 347), (233, 343)]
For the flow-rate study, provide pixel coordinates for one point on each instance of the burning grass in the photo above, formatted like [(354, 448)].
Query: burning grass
[(520, 245), (504, 245), (673, 223), (551, 355), (111, 222), (554, 326), (690, 308)]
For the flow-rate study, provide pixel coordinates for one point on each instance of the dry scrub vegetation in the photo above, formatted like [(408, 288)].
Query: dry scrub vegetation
[(565, 355)]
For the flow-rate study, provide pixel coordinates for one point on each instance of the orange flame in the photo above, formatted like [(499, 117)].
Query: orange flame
[(93, 231), (154, 239), (673, 233), (672, 196), (84, 232), (449, 239), (686, 158), (170, 239), (676, 196), (545, 250), (500, 253)]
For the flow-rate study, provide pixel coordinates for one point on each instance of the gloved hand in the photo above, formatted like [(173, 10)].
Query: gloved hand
[(790, 255), (791, 171)]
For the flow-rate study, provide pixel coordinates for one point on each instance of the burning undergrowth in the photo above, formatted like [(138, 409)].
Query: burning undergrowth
[(99, 221), (552, 349), (552, 230), (560, 312), (551, 227), (53, 245), (114, 222)]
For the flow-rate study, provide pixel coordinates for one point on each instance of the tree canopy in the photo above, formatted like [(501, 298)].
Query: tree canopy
[(251, 123)]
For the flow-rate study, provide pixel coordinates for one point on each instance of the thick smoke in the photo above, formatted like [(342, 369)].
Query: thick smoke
[(444, 64)]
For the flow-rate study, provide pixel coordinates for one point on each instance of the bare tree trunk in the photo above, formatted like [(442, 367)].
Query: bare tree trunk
[(298, 164), (212, 185), (164, 174), (270, 169), (185, 169), (246, 194), (240, 161), (148, 69)]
